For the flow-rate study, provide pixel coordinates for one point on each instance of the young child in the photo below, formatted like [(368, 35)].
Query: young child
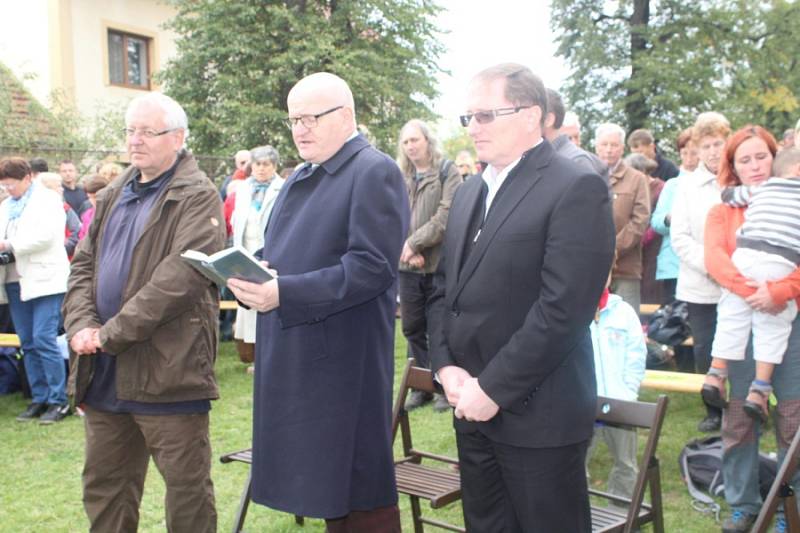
[(767, 249), (619, 361)]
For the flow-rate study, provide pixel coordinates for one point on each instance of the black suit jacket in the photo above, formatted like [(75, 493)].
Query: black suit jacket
[(517, 314)]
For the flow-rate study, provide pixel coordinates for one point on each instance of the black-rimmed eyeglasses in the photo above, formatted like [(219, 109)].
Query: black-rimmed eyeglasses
[(485, 117), (310, 121)]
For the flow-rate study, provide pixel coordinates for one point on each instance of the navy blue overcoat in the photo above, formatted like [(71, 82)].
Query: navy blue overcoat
[(325, 358)]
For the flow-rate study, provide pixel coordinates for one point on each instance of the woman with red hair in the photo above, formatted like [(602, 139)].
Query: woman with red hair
[(747, 160)]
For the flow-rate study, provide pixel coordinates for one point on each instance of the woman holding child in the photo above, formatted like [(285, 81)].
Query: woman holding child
[(747, 160)]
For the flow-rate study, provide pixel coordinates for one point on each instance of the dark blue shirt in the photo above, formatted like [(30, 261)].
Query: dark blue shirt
[(123, 229)]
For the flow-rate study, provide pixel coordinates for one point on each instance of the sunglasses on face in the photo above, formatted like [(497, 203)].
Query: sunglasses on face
[(485, 117)]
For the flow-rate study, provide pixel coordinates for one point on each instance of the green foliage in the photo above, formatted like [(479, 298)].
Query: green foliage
[(456, 141), (25, 121), (60, 131), (658, 63), (237, 61)]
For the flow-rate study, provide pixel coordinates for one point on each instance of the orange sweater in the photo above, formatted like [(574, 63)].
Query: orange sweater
[(720, 242)]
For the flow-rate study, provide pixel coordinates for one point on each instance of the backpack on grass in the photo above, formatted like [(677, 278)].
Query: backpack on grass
[(700, 463)]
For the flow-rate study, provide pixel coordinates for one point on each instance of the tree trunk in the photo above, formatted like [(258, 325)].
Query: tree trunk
[(636, 108)]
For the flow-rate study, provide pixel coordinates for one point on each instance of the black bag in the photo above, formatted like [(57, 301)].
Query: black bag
[(700, 463), (670, 324), (10, 371)]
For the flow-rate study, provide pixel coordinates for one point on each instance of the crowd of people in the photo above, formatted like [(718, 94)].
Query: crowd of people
[(520, 273)]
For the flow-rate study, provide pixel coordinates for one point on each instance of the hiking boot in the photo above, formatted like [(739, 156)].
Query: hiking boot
[(738, 522), (418, 398), (34, 410), (54, 413), (709, 424), (440, 404)]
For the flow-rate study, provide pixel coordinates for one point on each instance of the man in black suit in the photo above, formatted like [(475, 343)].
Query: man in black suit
[(527, 251)]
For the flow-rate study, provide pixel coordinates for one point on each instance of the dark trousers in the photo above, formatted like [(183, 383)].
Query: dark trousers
[(415, 294), (381, 520), (703, 321), (510, 489), (118, 450), (668, 292)]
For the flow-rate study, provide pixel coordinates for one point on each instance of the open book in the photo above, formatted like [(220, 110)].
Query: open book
[(235, 262)]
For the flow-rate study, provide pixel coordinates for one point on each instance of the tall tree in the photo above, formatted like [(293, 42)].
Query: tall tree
[(237, 60), (657, 63)]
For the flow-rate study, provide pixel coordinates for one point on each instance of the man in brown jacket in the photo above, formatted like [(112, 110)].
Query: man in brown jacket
[(431, 182), (630, 192), (142, 326)]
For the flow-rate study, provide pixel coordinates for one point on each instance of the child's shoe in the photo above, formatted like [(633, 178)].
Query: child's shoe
[(757, 403), (713, 391)]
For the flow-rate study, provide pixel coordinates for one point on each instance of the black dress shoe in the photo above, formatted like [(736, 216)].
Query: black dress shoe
[(54, 413), (440, 403), (709, 424), (418, 399), (34, 410)]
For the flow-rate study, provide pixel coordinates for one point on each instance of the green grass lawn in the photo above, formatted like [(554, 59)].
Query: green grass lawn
[(40, 482)]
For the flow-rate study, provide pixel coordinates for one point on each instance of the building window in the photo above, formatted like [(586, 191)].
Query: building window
[(128, 60)]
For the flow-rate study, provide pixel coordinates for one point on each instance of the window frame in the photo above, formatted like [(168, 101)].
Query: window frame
[(148, 41)]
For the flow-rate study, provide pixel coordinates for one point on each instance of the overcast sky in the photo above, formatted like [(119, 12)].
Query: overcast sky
[(486, 32)]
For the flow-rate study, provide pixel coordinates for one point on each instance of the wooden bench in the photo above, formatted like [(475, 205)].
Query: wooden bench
[(9, 340), (227, 305), (439, 485), (633, 415), (668, 381)]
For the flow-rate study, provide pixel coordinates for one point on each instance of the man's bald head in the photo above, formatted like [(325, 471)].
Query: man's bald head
[(322, 115), (326, 88)]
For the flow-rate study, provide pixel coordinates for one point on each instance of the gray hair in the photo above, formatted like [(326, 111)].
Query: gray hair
[(523, 87), (606, 128), (642, 163), (434, 151), (174, 115), (261, 153)]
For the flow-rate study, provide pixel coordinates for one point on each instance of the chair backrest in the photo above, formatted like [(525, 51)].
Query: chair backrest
[(414, 378), (642, 415)]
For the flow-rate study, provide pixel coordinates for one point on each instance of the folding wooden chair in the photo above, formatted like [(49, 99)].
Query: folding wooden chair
[(782, 491), (633, 415), (439, 486), (246, 456)]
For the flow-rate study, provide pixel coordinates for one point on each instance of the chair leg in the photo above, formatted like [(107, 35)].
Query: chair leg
[(244, 502), (415, 514), (655, 501), (790, 511)]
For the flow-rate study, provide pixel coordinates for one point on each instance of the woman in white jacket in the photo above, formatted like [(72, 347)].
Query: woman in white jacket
[(254, 200), (33, 280), (696, 194)]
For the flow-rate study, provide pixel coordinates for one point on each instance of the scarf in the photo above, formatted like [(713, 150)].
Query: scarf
[(17, 205)]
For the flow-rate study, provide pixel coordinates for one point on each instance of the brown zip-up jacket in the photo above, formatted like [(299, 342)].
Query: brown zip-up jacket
[(630, 191), (165, 335), (430, 205)]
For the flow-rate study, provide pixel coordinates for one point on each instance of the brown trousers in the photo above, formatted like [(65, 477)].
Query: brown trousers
[(118, 450), (382, 520)]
